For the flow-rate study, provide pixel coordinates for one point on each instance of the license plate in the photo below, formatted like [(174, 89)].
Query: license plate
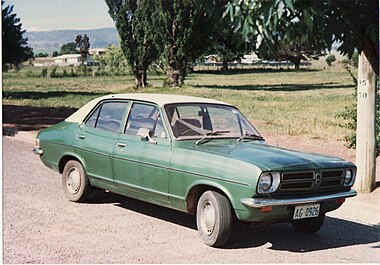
[(306, 211)]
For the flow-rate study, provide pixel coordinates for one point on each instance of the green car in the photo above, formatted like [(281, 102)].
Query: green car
[(196, 155)]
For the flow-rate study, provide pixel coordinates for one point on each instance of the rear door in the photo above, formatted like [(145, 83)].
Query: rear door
[(96, 138)]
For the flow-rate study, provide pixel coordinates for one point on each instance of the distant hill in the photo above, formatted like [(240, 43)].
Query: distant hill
[(49, 41)]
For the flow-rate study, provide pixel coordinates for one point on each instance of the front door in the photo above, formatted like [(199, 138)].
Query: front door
[(139, 165)]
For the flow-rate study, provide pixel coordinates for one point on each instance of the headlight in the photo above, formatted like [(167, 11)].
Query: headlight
[(349, 177), (268, 182)]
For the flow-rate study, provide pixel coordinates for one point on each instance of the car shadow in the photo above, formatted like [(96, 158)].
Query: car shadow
[(334, 233), (148, 209)]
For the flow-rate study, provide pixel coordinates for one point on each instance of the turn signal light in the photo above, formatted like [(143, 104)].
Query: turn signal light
[(340, 201), (266, 209)]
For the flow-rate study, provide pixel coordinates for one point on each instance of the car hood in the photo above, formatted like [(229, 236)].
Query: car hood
[(268, 157)]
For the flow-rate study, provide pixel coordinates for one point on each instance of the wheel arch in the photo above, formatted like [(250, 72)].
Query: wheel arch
[(198, 189), (66, 157)]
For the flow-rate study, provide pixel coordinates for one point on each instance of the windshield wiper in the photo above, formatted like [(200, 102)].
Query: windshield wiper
[(250, 137), (207, 135)]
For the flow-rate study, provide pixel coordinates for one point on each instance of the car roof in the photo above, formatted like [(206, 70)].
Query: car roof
[(159, 99)]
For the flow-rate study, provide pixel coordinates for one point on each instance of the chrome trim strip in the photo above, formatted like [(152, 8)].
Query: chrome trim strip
[(261, 202), (38, 151)]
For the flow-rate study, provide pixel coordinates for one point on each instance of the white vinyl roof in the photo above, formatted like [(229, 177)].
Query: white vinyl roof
[(159, 99)]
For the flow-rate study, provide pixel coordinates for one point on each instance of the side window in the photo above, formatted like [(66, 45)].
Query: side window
[(91, 122), (108, 116), (159, 131), (145, 116)]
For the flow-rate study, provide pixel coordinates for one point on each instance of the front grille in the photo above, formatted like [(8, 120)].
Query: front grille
[(311, 181), (332, 179), (299, 181), (297, 176)]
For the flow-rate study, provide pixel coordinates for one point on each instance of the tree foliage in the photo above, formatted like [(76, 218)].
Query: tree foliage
[(140, 29), (330, 59), (15, 48), (294, 50), (354, 24), (68, 48), (113, 60), (188, 27), (226, 43), (176, 31), (55, 54), (83, 44)]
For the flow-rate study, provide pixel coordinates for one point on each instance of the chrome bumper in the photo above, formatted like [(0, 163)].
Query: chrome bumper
[(261, 202), (38, 151)]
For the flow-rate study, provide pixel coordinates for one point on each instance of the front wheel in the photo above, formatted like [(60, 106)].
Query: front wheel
[(308, 226), (214, 218), (75, 183)]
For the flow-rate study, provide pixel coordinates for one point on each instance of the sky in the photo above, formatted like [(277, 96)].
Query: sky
[(46, 15)]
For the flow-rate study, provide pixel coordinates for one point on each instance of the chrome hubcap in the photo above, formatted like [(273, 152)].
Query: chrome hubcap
[(207, 218), (73, 180)]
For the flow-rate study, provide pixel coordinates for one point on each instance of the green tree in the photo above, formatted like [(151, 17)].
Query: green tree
[(83, 44), (330, 59), (140, 27), (69, 48), (14, 45), (113, 60), (354, 24), (55, 54), (42, 55), (294, 50), (188, 27), (226, 43)]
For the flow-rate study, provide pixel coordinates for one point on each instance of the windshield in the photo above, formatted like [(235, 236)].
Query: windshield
[(197, 120)]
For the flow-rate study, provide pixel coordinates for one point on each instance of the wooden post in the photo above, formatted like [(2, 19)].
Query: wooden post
[(366, 126)]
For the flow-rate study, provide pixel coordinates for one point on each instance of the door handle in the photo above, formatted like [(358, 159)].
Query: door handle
[(81, 136), (121, 144)]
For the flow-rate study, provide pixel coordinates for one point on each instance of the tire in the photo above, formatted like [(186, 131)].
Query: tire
[(308, 226), (75, 183), (214, 218)]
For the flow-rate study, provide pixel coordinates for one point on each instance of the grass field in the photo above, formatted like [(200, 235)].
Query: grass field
[(289, 102)]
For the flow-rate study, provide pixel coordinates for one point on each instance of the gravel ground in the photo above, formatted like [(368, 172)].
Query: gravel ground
[(41, 226)]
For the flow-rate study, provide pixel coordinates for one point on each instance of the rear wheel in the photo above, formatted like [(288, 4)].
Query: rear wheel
[(214, 218), (75, 183), (308, 226)]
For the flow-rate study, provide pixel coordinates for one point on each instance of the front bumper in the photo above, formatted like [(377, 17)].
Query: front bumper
[(262, 202), (38, 151)]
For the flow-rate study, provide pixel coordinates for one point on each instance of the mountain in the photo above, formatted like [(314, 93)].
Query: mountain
[(48, 41)]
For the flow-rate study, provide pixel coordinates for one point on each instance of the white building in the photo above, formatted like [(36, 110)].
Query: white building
[(67, 59)]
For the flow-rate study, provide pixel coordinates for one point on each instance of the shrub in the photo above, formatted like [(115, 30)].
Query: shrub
[(330, 59), (44, 72)]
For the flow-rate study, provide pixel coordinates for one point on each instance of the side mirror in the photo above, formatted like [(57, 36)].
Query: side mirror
[(145, 133)]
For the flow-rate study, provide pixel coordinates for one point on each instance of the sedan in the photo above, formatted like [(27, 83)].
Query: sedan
[(196, 155)]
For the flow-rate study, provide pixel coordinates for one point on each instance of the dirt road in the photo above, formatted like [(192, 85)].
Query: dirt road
[(41, 226)]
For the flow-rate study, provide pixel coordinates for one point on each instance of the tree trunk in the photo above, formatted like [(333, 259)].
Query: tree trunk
[(173, 77), (225, 65), (366, 123), (141, 78), (173, 72), (297, 63)]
